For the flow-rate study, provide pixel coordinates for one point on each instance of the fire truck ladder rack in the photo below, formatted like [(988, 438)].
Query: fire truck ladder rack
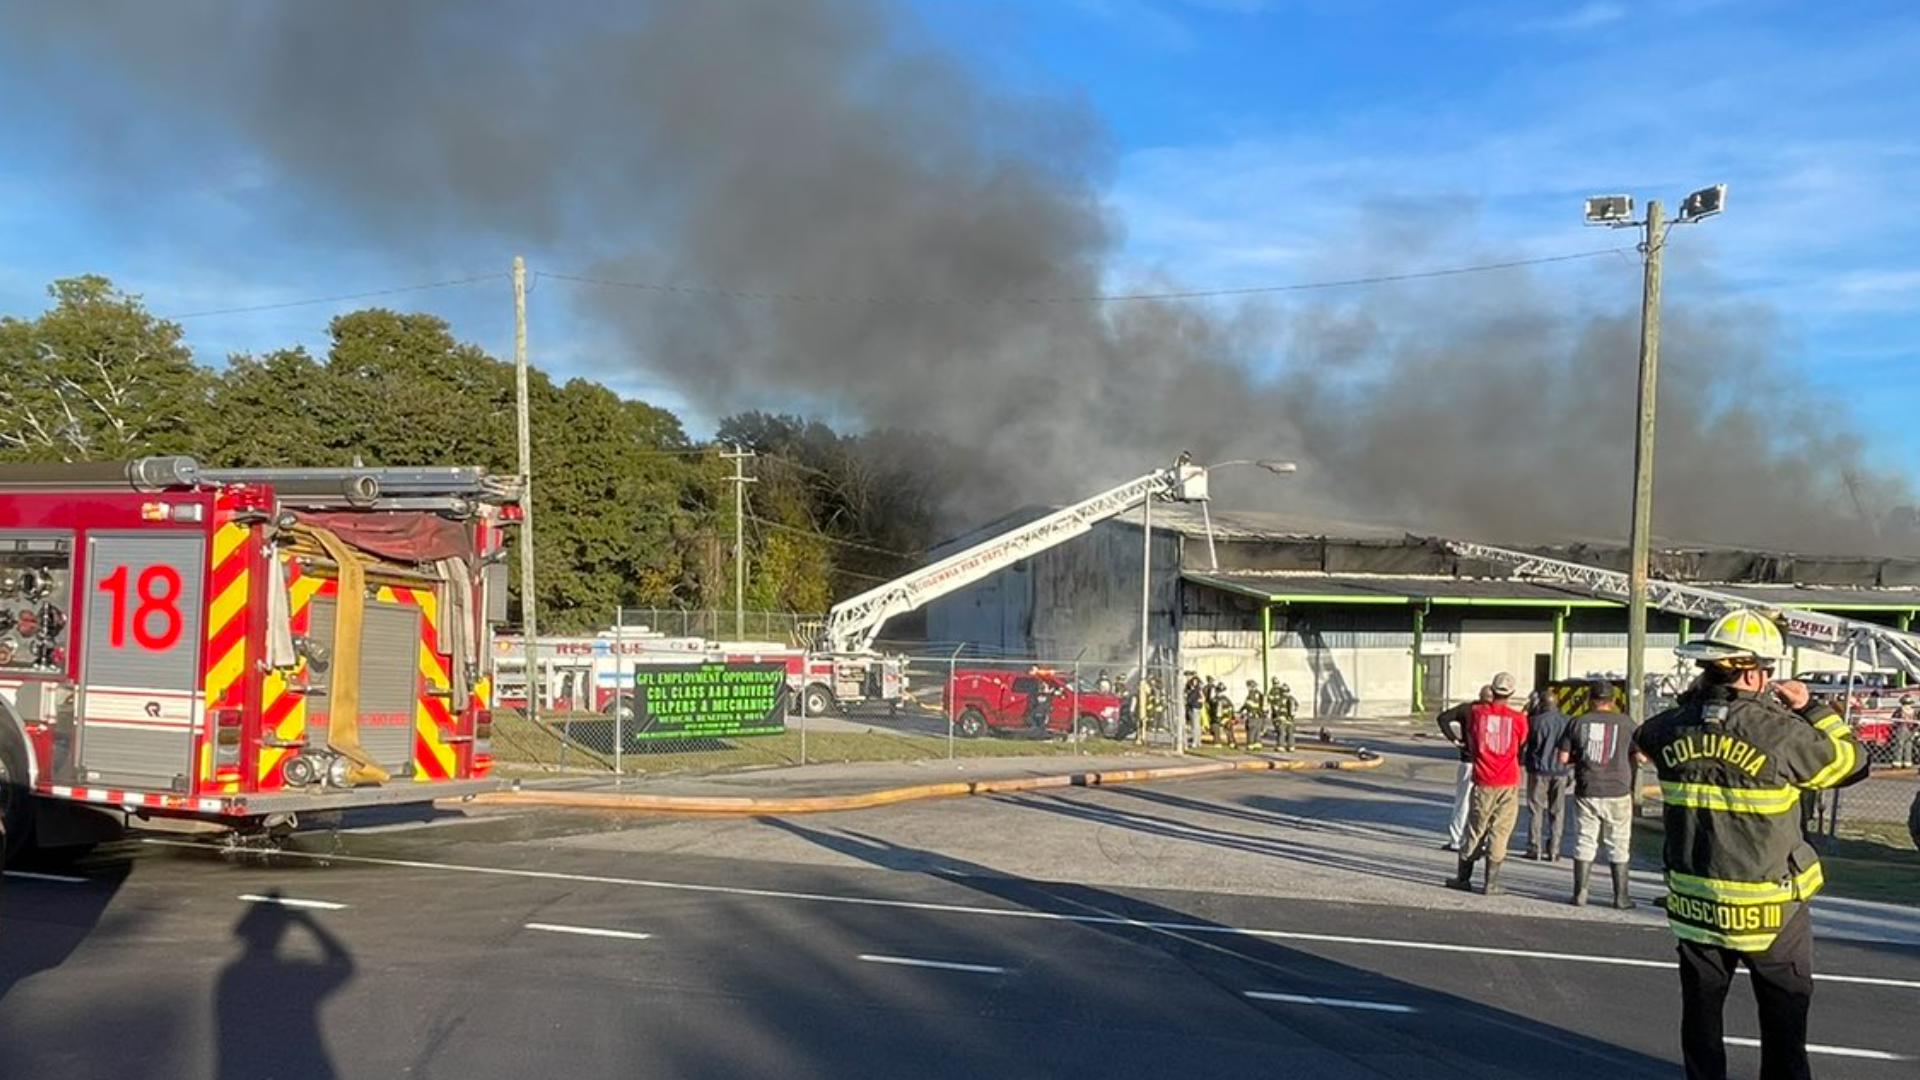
[(441, 488), (1869, 643), (853, 623)]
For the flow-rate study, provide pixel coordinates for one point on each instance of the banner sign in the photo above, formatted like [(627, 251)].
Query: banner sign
[(712, 700)]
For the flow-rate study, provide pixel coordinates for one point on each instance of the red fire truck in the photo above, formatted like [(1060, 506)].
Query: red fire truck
[(241, 646)]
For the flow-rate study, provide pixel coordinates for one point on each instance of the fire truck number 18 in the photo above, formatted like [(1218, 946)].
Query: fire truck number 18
[(157, 589)]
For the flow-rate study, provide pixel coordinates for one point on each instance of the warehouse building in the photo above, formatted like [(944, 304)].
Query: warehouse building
[(1360, 620)]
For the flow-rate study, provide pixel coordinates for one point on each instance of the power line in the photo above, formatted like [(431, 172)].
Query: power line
[(756, 519), (341, 298), (1095, 298)]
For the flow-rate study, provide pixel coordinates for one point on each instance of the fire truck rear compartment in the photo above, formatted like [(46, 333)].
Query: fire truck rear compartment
[(389, 681)]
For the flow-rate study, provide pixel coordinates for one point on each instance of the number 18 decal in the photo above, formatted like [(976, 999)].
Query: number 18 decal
[(155, 620)]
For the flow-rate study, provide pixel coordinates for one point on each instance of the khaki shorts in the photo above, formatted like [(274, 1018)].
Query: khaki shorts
[(1603, 826), (1491, 813)]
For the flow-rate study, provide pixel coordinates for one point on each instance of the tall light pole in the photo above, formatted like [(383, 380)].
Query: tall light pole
[(1190, 485), (1616, 211)]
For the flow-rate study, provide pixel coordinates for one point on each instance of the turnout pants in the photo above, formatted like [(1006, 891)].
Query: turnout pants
[(1546, 798), (1491, 814), (1783, 986)]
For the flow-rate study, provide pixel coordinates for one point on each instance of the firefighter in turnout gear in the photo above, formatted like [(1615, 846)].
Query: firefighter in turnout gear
[(1220, 714), (1734, 756), (1253, 713), (1282, 706)]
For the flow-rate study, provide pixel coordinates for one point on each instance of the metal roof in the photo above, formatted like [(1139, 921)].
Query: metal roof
[(1497, 592), (1187, 519), (1830, 599), (1392, 589)]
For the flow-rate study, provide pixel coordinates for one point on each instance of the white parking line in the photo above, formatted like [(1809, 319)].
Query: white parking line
[(34, 875), (1329, 1002), (588, 931), (1832, 1051), (943, 965), (1014, 913), (293, 902)]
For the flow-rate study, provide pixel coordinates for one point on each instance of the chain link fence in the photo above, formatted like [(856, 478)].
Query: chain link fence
[(645, 698)]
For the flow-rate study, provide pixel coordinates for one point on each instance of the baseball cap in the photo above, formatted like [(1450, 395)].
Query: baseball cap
[(1502, 685)]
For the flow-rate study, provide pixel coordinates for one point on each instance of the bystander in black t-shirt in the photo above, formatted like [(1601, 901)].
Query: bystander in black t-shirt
[(1601, 743)]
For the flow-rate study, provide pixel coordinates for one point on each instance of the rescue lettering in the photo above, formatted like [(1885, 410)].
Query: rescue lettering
[(1735, 752), (1733, 918)]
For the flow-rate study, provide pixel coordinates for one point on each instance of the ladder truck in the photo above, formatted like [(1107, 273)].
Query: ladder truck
[(241, 646), (846, 670)]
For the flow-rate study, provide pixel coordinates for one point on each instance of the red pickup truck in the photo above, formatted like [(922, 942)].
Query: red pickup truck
[(982, 701)]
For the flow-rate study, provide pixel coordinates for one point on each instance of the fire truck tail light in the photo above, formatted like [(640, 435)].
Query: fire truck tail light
[(226, 728), (510, 512), (177, 512), (483, 725)]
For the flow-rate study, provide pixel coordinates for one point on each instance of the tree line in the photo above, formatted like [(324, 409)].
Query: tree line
[(629, 509)]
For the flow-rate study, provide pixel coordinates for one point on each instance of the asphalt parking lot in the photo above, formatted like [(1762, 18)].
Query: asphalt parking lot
[(1216, 927)]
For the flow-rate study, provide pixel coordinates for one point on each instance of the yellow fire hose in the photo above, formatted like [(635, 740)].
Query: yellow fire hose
[(343, 723)]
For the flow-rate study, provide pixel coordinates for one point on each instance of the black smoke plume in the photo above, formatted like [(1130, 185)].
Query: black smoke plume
[(901, 242)]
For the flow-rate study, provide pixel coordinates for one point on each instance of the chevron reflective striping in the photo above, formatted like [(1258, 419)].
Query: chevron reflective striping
[(226, 638), (283, 710), (433, 755)]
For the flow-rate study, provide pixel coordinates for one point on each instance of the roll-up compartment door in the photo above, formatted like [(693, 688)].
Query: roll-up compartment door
[(389, 680)]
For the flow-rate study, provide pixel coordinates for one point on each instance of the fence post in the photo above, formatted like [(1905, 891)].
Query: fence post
[(804, 683), (619, 682), (953, 669)]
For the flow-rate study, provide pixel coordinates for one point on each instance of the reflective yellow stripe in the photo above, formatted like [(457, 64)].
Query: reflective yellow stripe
[(1830, 723), (1781, 800), (1737, 942), (1730, 892), (1809, 881), (1844, 759)]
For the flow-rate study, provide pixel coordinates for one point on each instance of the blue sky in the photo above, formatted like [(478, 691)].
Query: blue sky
[(1253, 142)]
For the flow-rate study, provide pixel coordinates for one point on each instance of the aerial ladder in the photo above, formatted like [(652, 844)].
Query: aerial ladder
[(1860, 642), (846, 653)]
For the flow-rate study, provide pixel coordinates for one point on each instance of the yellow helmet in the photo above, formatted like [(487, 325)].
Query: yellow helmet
[(1743, 637)]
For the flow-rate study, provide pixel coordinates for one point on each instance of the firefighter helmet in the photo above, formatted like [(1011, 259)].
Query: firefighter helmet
[(1743, 637)]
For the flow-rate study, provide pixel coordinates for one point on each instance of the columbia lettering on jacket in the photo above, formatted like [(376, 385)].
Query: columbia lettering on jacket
[(1733, 765)]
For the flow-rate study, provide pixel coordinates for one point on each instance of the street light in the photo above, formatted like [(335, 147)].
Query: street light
[(1278, 468), (1616, 211)]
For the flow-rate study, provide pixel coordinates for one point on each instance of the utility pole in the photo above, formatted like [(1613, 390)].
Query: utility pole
[(740, 480), (1641, 539), (1146, 608), (529, 624)]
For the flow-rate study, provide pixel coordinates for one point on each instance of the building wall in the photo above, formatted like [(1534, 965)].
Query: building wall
[(1079, 600)]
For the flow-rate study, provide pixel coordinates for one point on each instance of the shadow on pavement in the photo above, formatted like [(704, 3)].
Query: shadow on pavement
[(1153, 952), (267, 1002), (1328, 854)]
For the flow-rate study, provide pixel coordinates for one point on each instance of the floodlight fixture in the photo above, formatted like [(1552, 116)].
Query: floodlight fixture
[(1610, 210), (1704, 203)]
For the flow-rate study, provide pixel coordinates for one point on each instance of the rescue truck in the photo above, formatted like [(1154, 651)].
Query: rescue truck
[(594, 674), (242, 646)]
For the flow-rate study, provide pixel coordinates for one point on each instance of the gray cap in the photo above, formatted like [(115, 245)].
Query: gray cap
[(1502, 685)]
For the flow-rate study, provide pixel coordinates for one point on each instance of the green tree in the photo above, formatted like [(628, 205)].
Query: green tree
[(97, 377)]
